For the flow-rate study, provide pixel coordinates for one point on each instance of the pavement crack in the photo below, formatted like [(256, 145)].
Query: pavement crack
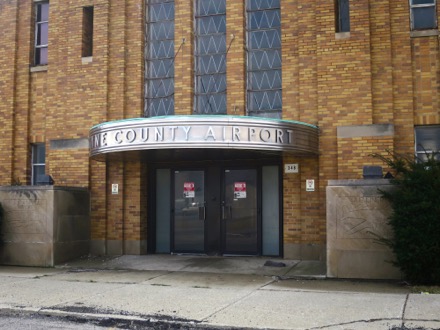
[(238, 300), (404, 309), (352, 322), (205, 319)]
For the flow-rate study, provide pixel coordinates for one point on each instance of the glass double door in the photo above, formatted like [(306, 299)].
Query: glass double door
[(216, 212)]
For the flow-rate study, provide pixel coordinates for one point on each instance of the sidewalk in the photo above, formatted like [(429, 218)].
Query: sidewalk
[(213, 292)]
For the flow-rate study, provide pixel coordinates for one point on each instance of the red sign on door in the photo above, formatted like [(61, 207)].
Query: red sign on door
[(188, 190), (239, 189)]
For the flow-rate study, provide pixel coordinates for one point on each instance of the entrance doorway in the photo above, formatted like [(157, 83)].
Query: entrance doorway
[(193, 215), (240, 212), (217, 210)]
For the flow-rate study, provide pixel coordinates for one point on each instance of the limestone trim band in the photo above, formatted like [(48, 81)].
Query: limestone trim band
[(199, 132)]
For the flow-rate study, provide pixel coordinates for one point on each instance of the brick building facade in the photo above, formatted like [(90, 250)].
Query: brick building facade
[(367, 84)]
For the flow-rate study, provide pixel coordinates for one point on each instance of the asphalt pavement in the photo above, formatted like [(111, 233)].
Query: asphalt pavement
[(212, 292)]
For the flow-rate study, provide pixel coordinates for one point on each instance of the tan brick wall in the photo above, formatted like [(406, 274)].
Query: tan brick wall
[(8, 53), (184, 62), (403, 106), (354, 153), (236, 58), (425, 72), (377, 74), (303, 221)]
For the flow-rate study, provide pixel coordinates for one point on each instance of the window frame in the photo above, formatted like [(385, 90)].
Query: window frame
[(252, 72), (36, 148), (342, 17), (213, 93), (155, 104), (413, 7), (87, 31), (37, 61), (422, 151)]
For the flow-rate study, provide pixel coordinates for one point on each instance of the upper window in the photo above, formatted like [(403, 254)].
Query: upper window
[(423, 14), (342, 16), (38, 162), (210, 56), (427, 141), (41, 32), (159, 56), (87, 32), (264, 58)]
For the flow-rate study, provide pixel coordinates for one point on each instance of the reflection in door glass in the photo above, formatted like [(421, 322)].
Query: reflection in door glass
[(240, 212), (189, 202)]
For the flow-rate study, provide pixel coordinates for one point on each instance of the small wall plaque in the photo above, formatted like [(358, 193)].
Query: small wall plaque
[(291, 168), (115, 189)]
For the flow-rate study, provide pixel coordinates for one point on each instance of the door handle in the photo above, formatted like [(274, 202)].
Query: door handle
[(226, 212), (202, 213)]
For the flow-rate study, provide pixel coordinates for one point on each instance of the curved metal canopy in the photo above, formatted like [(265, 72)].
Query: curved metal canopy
[(203, 132)]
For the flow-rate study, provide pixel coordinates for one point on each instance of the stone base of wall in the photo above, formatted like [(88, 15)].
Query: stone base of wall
[(118, 247), (356, 215), (304, 251), (44, 225)]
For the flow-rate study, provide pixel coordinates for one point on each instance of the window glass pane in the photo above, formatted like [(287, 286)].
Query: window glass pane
[(264, 39), (212, 83), (263, 4), (38, 153), (161, 68), (159, 87), (424, 18), (210, 7), (87, 32), (265, 80), (428, 138), (211, 44), (210, 64), (211, 104), (38, 171), (343, 16), (264, 19), (422, 2), (161, 49), (42, 12), (263, 101), (161, 12), (42, 34), (264, 59), (161, 30), (41, 56), (160, 106), (211, 25)]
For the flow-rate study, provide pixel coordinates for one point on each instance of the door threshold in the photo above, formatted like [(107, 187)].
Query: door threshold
[(188, 254), (240, 255)]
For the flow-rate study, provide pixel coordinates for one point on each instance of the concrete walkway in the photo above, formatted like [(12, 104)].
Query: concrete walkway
[(211, 292)]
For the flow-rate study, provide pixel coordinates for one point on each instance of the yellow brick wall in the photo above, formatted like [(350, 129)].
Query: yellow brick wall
[(377, 74), (184, 62), (8, 53), (354, 153), (235, 60)]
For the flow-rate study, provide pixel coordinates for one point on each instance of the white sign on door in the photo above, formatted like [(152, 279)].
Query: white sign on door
[(239, 190), (188, 190)]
